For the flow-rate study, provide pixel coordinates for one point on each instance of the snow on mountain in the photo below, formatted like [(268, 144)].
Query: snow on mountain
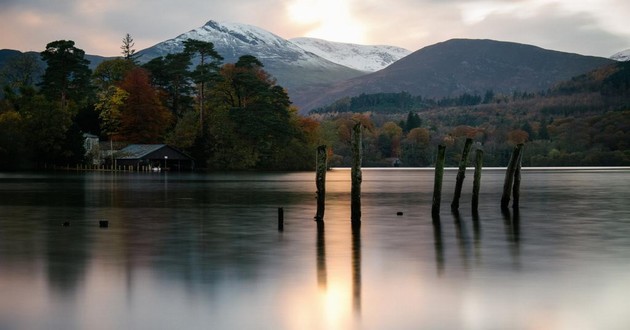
[(360, 57), (622, 56), (233, 40), (291, 65)]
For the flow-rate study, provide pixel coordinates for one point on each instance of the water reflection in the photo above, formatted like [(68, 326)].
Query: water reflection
[(356, 267), (512, 222), (439, 244), (204, 252), (322, 276)]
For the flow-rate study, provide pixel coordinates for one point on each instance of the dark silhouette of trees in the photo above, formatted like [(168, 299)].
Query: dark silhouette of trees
[(67, 75)]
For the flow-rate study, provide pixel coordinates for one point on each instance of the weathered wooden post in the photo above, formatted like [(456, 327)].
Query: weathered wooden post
[(477, 180), (320, 181), (516, 189), (509, 175), (280, 219), (437, 183), (461, 174), (355, 173)]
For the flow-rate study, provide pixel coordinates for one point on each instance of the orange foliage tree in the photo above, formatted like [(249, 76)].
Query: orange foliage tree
[(144, 119)]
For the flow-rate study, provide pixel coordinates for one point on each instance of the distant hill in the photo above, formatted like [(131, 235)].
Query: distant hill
[(7, 54), (458, 66)]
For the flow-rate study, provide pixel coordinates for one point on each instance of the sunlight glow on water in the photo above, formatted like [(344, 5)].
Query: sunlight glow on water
[(199, 251)]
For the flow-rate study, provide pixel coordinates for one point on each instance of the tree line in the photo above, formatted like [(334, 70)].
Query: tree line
[(581, 122), (235, 115), (225, 115)]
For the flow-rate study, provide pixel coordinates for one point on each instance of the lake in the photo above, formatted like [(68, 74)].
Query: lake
[(203, 251)]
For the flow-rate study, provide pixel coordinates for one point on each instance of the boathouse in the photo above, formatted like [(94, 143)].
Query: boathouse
[(160, 156)]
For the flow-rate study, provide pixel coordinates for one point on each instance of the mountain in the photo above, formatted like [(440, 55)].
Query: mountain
[(293, 67), (458, 66), (359, 57), (622, 56)]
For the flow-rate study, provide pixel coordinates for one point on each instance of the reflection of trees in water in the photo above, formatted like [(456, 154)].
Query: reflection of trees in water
[(66, 247)]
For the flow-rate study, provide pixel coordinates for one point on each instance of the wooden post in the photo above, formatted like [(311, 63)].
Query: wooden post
[(461, 174), (516, 189), (280, 219), (477, 180), (509, 176), (356, 174), (320, 181), (437, 183)]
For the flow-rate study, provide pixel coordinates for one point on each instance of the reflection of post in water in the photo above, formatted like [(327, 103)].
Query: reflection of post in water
[(462, 240), (513, 231), (477, 235), (439, 244), (321, 256), (356, 267)]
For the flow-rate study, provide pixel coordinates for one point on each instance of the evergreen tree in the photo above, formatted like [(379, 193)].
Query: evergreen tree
[(171, 74), (67, 75), (206, 71), (128, 52), (413, 121)]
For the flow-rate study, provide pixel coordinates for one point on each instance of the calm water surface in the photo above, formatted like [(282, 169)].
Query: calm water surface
[(197, 251)]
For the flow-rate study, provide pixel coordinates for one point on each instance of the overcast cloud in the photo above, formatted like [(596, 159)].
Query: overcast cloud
[(589, 27)]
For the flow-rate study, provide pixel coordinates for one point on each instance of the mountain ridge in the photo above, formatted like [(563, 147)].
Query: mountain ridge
[(459, 66)]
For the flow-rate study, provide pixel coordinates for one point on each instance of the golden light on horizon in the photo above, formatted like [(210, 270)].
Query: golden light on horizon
[(328, 19)]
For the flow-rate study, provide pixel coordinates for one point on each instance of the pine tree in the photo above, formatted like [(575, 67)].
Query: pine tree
[(67, 76), (128, 52)]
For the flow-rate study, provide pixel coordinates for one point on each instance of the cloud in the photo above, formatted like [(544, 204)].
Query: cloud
[(588, 27)]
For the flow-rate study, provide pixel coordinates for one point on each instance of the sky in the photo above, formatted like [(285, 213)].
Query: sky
[(588, 27)]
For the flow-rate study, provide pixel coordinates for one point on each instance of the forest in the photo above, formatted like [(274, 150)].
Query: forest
[(234, 116), (581, 122), (226, 116)]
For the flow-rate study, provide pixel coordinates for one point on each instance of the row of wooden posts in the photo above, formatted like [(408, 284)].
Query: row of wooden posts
[(511, 184)]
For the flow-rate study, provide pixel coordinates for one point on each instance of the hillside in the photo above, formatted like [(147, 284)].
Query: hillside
[(582, 121), (459, 66)]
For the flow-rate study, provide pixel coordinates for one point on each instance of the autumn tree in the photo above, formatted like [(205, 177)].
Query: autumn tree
[(111, 72), (143, 117)]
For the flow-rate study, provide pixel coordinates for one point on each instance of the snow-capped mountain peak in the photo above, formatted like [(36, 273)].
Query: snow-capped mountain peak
[(360, 57), (622, 56), (291, 65)]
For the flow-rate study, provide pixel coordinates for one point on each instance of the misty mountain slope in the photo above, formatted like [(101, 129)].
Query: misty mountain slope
[(622, 56), (359, 57), (291, 65), (459, 66)]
